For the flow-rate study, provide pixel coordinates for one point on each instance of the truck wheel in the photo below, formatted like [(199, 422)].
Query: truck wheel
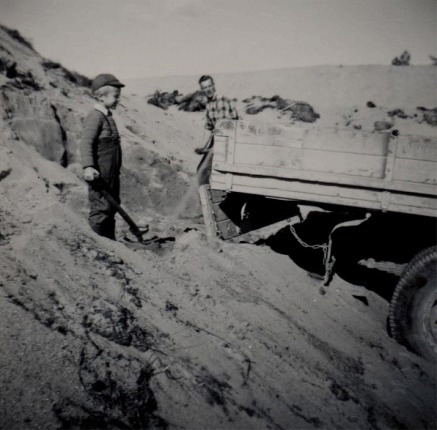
[(413, 308)]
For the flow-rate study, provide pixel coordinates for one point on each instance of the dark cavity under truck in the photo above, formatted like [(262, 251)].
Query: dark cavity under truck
[(381, 183)]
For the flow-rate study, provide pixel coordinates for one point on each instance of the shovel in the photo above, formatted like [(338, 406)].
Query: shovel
[(101, 186)]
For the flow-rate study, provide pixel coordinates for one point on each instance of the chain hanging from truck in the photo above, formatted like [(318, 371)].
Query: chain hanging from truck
[(328, 258)]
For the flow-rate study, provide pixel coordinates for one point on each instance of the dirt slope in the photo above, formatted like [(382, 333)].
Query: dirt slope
[(220, 338), (97, 334), (340, 94)]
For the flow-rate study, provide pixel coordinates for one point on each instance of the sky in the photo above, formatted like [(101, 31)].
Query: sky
[(148, 38)]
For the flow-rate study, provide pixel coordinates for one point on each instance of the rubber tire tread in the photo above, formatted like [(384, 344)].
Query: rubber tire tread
[(398, 313)]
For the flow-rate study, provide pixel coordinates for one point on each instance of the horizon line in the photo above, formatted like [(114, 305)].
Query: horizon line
[(274, 69)]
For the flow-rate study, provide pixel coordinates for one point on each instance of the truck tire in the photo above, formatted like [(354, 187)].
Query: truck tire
[(413, 308)]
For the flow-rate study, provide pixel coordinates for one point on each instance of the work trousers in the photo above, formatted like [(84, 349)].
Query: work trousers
[(108, 163), (205, 166)]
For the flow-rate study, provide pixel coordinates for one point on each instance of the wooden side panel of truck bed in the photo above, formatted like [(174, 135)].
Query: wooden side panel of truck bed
[(353, 168)]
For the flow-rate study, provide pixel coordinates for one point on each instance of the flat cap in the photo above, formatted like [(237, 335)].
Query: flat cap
[(105, 79)]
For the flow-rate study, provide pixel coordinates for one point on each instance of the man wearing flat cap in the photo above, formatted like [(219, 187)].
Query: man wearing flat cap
[(101, 154)]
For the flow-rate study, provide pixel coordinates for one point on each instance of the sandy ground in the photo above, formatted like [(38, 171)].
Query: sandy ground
[(102, 334), (233, 336)]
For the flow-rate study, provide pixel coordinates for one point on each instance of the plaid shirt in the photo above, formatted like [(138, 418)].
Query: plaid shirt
[(219, 108)]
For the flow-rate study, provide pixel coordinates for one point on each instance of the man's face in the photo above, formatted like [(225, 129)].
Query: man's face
[(111, 98), (208, 88)]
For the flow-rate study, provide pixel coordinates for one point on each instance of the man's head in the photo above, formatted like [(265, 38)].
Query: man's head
[(108, 96), (107, 89), (207, 86)]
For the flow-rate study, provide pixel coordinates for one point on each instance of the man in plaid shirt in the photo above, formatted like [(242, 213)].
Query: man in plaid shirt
[(217, 108)]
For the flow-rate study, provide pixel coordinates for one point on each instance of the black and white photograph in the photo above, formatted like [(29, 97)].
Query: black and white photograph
[(218, 214)]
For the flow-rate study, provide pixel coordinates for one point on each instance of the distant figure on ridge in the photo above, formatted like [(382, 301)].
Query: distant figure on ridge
[(101, 154), (217, 108)]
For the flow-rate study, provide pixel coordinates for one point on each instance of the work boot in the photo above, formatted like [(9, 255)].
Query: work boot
[(105, 229)]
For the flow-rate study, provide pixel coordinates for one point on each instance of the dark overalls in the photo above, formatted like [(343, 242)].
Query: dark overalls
[(107, 159)]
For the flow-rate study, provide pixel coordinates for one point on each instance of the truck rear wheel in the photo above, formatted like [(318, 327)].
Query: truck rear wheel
[(413, 308)]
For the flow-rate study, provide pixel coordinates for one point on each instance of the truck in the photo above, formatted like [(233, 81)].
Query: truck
[(381, 183)]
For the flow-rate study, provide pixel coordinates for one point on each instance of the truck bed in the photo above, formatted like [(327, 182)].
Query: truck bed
[(378, 171)]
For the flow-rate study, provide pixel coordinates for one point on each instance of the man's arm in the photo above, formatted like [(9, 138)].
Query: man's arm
[(233, 110), (209, 125), (204, 148), (90, 132)]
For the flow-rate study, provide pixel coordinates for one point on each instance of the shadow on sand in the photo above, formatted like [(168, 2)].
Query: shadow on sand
[(384, 238)]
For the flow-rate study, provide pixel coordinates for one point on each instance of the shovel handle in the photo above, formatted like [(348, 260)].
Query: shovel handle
[(101, 186)]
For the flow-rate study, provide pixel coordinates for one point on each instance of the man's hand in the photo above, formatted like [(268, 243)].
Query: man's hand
[(89, 174), (201, 151), (205, 148)]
